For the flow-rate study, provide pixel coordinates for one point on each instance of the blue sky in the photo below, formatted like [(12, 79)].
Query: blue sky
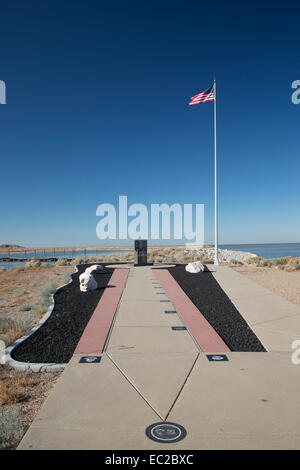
[(97, 107)]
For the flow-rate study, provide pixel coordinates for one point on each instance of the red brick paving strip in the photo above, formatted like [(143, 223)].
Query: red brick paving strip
[(94, 336), (203, 333)]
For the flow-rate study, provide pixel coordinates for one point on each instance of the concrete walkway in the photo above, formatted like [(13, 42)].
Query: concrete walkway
[(152, 370), (274, 320)]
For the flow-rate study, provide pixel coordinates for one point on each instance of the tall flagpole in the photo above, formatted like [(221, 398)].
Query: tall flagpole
[(216, 185)]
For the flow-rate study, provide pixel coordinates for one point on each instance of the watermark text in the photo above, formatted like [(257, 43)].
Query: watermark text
[(296, 94), (162, 222), (296, 354), (2, 92)]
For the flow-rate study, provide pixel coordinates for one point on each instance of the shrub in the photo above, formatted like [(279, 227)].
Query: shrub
[(24, 308), (128, 256), (46, 265), (8, 394), (264, 263), (33, 263), (5, 324), (92, 259), (12, 428), (11, 330), (294, 261), (62, 262), (47, 290), (67, 277), (254, 260), (207, 261), (280, 261), (45, 294), (79, 261), (292, 267)]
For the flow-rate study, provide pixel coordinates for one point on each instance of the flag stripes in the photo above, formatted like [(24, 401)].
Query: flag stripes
[(207, 95)]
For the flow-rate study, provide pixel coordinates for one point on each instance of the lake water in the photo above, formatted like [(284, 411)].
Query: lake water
[(268, 250), (59, 253)]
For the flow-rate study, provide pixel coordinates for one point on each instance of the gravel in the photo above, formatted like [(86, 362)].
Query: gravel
[(56, 340), (205, 292)]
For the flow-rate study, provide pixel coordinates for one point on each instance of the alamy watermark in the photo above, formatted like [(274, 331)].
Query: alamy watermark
[(296, 94), (296, 354), (160, 223), (2, 92)]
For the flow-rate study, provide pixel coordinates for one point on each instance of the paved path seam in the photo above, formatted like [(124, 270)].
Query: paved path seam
[(183, 385), (276, 319), (280, 331), (135, 387)]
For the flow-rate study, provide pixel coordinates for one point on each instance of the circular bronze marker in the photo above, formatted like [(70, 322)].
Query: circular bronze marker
[(165, 432)]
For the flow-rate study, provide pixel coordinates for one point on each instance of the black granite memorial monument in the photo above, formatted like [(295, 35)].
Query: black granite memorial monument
[(140, 252)]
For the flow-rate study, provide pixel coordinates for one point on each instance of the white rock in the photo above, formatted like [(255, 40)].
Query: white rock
[(87, 282), (225, 255), (95, 267), (195, 267)]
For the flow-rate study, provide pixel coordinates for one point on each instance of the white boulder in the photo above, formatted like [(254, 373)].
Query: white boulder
[(95, 267), (195, 267), (87, 282)]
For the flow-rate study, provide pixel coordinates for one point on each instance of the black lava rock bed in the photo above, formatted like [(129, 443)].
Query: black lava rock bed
[(208, 296), (56, 340)]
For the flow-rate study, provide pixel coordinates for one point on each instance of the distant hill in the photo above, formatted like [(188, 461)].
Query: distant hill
[(10, 247)]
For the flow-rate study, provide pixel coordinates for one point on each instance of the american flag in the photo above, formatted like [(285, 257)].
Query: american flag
[(207, 95)]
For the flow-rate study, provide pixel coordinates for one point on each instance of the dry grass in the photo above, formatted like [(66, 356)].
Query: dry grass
[(8, 394), (14, 332), (22, 300), (158, 255), (22, 393), (286, 263), (14, 390)]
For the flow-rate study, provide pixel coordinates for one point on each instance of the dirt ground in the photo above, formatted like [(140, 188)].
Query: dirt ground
[(23, 393), (22, 287), (286, 284)]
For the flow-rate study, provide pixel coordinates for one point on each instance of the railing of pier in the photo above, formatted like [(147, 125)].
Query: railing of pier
[(48, 253)]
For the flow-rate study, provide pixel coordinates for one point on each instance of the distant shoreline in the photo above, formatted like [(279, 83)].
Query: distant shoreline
[(61, 248), (264, 250), (87, 248)]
